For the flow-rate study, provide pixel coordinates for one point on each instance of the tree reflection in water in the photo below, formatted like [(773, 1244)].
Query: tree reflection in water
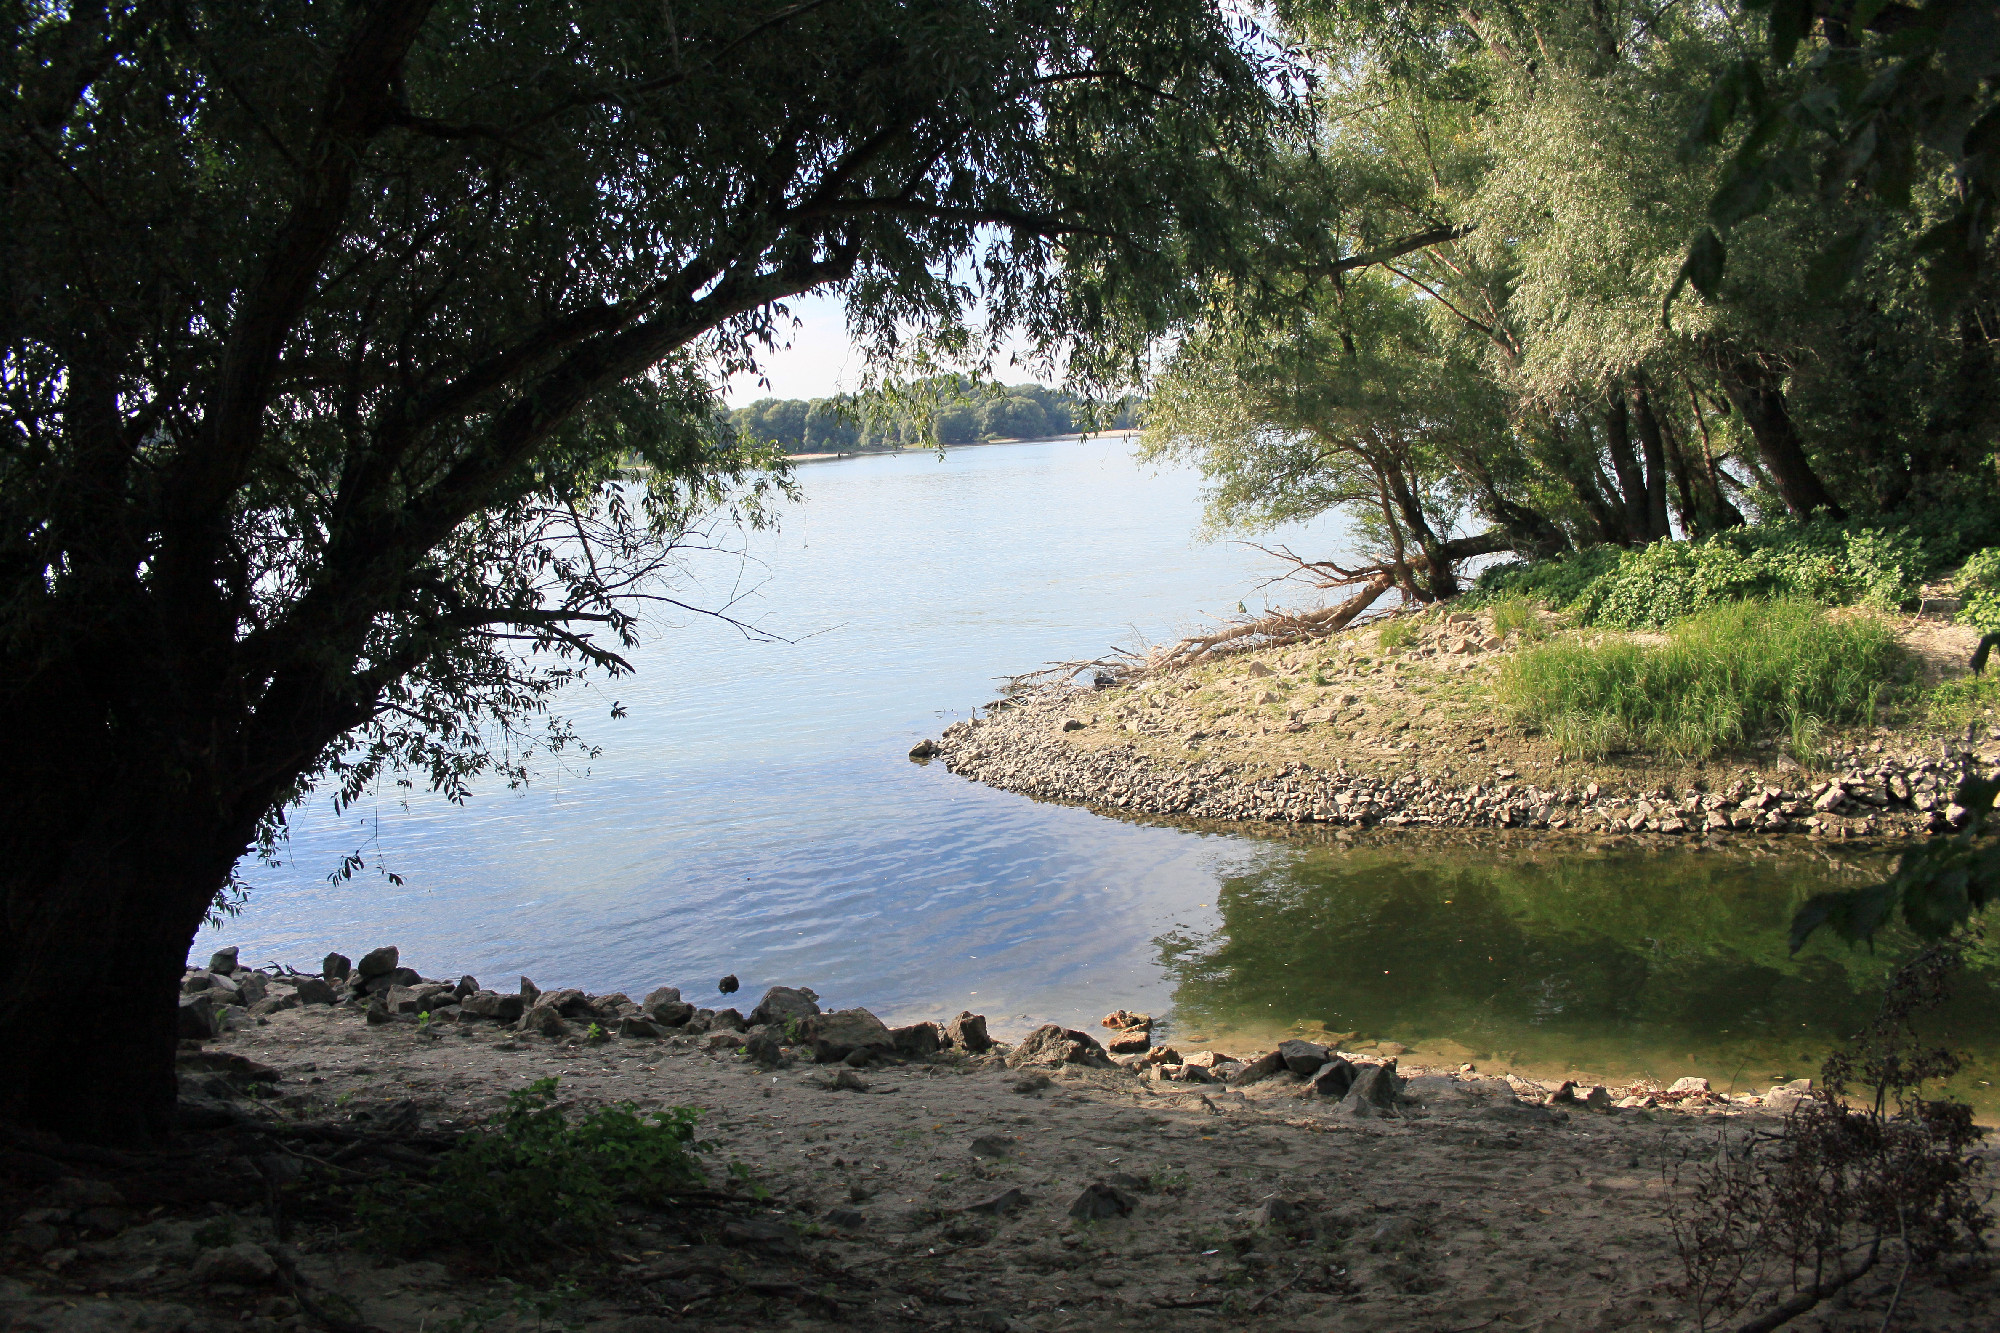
[(1619, 963)]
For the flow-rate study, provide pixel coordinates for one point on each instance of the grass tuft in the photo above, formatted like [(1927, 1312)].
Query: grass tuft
[(1396, 634), (1519, 613), (1725, 677)]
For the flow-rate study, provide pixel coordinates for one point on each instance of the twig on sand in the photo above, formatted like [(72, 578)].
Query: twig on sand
[(297, 1284), (1903, 1230)]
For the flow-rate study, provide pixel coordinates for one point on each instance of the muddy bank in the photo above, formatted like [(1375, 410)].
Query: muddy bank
[(1343, 732)]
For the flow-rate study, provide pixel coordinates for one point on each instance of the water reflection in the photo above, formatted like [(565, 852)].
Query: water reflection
[(1554, 960)]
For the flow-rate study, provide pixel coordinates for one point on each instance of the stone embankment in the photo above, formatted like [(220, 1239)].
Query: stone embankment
[(1023, 747), (787, 1026)]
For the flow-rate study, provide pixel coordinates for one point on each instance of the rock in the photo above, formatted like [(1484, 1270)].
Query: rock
[(1302, 1057), (924, 749), (466, 986), (917, 1040), (1000, 1204), (223, 960), (1335, 1078), (992, 1145), (764, 1046), (638, 1029), (1072, 724), (1375, 1091), (490, 1004), (834, 1036), (846, 1080), (1259, 671), (783, 1002), (1831, 799), (335, 967), (530, 992), (378, 962), (729, 1018), (665, 1006), (274, 1004), (1126, 1019), (968, 1032), (386, 981), (542, 1018), (244, 1264), (1100, 1201), (1277, 1213), (1689, 1085), (1392, 1048), (1597, 1099), (311, 990), (198, 1020), (1263, 1067), (1129, 1041), (568, 1002), (1029, 1084), (847, 1219), (1051, 1044)]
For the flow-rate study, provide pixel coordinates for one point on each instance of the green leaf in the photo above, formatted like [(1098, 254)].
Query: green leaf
[(1853, 914), (1791, 20)]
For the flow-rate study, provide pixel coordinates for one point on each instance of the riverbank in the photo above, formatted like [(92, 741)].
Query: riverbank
[(1034, 1187), (1398, 723)]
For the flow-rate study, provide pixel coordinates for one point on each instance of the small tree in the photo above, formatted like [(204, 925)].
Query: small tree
[(327, 331)]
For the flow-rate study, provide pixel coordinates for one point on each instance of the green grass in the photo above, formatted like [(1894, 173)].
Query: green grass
[(1396, 634), (1518, 613), (1726, 676)]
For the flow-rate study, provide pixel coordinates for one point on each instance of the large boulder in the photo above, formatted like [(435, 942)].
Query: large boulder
[(198, 1018), (665, 1007), (383, 982), (1053, 1044), (312, 990), (968, 1032), (223, 960), (1263, 1067), (336, 967), (490, 1004), (1302, 1057), (917, 1040), (1335, 1078), (1375, 1092), (378, 962), (837, 1035), (783, 1002)]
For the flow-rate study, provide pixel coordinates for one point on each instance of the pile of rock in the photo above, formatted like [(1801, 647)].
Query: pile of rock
[(1021, 748), (786, 1023)]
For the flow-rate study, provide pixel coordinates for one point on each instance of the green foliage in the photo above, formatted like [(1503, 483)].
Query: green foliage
[(1726, 676), (949, 410), (1655, 585), (1979, 589), (1518, 615), (1936, 889), (1394, 635), (532, 1177)]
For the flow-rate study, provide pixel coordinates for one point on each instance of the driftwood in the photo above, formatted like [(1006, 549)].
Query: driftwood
[(1273, 629)]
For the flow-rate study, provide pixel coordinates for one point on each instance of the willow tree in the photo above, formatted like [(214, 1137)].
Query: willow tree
[(327, 328)]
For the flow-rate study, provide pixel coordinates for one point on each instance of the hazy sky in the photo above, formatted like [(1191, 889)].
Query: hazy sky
[(821, 361)]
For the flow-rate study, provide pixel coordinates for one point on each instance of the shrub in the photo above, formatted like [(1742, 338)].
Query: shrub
[(1725, 676), (530, 1178), (1979, 587), (1650, 587)]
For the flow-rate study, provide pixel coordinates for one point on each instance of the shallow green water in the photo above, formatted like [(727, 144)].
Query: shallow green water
[(1554, 960)]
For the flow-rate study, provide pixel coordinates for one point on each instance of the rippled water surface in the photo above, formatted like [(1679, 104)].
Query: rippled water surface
[(755, 814)]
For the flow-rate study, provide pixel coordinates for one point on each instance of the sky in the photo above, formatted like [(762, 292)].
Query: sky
[(822, 360)]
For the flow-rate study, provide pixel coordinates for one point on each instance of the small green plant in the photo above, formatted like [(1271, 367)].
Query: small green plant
[(1724, 677), (531, 1177), (595, 1035), (424, 1021), (1395, 635), (1979, 590), (1518, 613)]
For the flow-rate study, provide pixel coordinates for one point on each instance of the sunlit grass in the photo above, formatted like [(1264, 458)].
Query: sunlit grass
[(1725, 677), (1518, 613), (1396, 634)]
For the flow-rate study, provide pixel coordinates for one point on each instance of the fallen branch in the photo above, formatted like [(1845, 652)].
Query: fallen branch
[(1811, 1296)]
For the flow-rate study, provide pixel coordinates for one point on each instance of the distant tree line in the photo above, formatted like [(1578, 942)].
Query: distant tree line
[(956, 414)]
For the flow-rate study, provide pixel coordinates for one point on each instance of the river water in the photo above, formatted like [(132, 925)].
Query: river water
[(754, 813)]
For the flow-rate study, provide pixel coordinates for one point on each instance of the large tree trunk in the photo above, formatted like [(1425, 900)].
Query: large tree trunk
[(1754, 389), (1655, 452), (1443, 585), (97, 930), (1625, 463), (1580, 470)]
